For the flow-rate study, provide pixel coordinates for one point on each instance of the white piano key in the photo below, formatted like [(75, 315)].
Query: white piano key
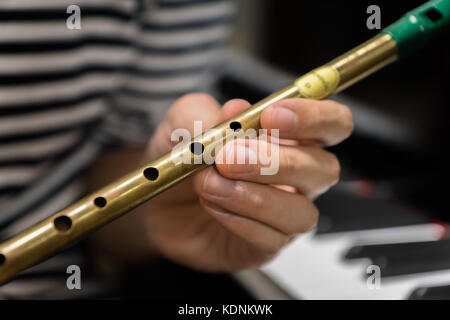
[(312, 267)]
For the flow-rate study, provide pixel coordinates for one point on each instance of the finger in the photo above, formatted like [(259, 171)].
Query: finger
[(327, 122), (289, 213), (236, 106), (187, 109), (259, 235), (310, 169), (232, 108), (194, 107)]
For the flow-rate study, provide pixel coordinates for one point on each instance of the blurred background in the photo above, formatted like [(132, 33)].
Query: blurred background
[(388, 213), (297, 36), (390, 208)]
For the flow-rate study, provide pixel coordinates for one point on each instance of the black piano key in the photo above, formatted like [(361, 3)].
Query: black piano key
[(431, 293), (343, 210), (405, 258)]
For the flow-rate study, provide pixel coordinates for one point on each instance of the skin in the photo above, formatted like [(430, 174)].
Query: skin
[(229, 217)]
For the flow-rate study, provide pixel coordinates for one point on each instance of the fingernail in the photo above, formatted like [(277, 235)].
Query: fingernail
[(218, 186), (244, 158), (284, 118)]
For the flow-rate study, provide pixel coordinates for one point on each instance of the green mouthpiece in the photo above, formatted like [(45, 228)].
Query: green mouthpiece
[(416, 27)]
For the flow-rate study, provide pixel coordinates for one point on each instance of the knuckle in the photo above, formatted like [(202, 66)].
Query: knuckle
[(273, 247), (309, 220), (176, 122), (292, 159), (257, 200), (186, 103), (240, 191), (344, 116), (347, 119), (313, 218), (173, 119), (334, 168)]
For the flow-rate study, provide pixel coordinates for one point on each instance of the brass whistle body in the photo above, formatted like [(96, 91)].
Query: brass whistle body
[(95, 210)]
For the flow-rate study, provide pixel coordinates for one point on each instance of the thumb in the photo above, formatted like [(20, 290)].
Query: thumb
[(187, 109)]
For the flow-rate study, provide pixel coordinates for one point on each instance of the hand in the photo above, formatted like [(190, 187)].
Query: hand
[(230, 217)]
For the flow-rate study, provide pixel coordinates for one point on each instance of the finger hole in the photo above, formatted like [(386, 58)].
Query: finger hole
[(62, 223), (151, 174), (197, 148), (235, 126), (100, 202)]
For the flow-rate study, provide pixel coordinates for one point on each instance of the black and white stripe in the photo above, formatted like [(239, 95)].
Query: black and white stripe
[(128, 63), (122, 70)]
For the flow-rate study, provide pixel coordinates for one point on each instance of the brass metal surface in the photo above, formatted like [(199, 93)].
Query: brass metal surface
[(364, 60), (71, 224)]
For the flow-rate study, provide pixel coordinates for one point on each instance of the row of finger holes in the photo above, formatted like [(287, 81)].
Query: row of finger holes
[(64, 223), (198, 148)]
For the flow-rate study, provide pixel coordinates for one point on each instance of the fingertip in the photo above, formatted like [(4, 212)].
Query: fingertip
[(227, 163), (233, 107), (223, 159)]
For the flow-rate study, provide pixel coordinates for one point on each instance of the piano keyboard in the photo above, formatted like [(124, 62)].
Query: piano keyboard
[(357, 230)]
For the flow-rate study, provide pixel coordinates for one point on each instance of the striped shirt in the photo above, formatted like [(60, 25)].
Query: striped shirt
[(124, 67)]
